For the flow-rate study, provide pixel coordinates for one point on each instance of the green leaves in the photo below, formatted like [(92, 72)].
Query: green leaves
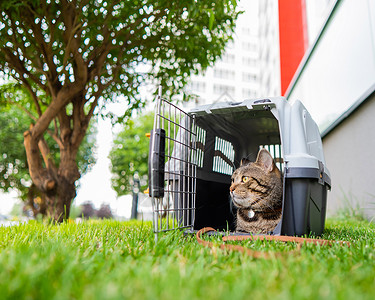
[(212, 19), (13, 167), (15, 119)]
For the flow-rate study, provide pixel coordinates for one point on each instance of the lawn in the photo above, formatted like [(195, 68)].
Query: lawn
[(120, 260)]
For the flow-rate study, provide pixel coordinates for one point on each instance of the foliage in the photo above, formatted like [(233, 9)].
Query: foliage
[(130, 154), (14, 121), (88, 211), (13, 166), (104, 212), (72, 55), (118, 44), (120, 260), (75, 211)]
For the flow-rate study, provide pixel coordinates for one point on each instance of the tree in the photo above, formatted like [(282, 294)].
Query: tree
[(104, 212), (129, 154), (13, 167), (87, 210), (73, 56)]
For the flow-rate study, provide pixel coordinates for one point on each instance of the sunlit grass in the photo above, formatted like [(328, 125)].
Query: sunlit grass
[(120, 260)]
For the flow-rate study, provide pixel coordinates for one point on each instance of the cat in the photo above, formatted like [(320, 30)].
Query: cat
[(256, 191)]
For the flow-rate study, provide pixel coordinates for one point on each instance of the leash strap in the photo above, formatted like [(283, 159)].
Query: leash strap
[(259, 254)]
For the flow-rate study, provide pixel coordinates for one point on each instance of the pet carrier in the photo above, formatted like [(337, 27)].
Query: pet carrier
[(192, 157)]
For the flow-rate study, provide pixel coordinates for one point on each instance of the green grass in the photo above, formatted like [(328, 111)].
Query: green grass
[(120, 260)]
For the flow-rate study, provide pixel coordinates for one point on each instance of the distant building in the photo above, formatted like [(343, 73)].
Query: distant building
[(269, 50), (236, 76)]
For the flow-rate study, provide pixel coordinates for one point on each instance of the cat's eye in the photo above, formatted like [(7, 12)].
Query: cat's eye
[(245, 178)]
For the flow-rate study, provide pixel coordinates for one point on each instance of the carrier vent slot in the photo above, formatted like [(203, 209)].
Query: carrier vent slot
[(200, 142), (275, 151), (223, 160)]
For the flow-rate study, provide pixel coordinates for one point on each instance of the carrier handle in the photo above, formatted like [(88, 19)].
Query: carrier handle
[(156, 162)]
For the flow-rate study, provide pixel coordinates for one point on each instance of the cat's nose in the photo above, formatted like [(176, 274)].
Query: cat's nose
[(232, 188)]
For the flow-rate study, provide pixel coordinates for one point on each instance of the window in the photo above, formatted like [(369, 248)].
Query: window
[(220, 89), (248, 93), (246, 30), (228, 58), (224, 74), (249, 46), (249, 61), (198, 86), (249, 77)]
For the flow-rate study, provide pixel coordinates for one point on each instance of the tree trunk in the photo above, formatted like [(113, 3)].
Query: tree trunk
[(36, 201), (57, 185), (59, 193), (60, 200)]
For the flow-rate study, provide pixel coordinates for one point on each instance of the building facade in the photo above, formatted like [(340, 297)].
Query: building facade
[(236, 75), (269, 51)]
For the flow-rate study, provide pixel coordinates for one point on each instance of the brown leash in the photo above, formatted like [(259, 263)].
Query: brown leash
[(259, 254)]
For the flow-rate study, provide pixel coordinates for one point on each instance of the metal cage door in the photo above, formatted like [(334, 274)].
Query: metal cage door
[(172, 167)]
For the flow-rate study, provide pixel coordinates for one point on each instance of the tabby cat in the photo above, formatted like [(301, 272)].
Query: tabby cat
[(256, 192)]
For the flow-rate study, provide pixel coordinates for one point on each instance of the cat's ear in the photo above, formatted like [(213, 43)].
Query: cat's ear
[(265, 160), (244, 161)]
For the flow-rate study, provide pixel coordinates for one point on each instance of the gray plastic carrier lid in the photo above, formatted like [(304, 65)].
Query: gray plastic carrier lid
[(300, 137)]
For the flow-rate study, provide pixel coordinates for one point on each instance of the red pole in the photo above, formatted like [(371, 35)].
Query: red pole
[(293, 38)]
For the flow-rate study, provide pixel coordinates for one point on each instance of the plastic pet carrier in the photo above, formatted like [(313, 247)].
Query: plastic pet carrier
[(193, 155)]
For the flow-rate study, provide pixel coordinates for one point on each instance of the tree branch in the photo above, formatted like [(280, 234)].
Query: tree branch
[(33, 95), (20, 69), (43, 178), (19, 66), (64, 96), (46, 154), (73, 43), (79, 121), (24, 109), (101, 88), (25, 52), (38, 35)]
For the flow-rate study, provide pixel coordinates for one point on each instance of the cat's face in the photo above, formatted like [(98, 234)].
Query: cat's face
[(257, 185)]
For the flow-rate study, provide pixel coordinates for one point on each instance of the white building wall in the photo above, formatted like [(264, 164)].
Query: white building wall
[(349, 153), (317, 11), (334, 83), (340, 67)]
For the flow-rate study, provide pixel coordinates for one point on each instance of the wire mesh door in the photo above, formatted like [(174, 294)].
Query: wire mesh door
[(172, 167)]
